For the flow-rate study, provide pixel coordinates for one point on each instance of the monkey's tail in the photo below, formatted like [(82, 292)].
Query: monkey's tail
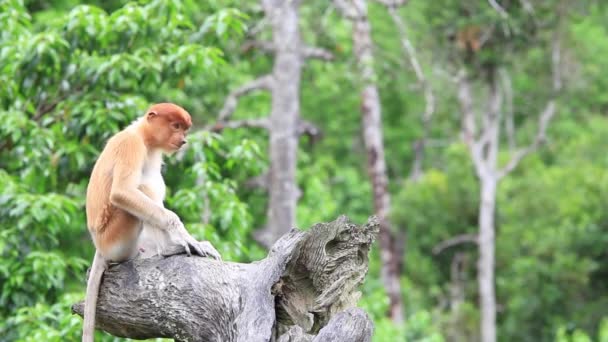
[(90, 300)]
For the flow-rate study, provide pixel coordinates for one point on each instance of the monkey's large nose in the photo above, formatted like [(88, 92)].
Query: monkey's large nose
[(183, 142)]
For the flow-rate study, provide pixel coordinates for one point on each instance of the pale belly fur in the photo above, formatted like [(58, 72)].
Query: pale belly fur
[(153, 240)]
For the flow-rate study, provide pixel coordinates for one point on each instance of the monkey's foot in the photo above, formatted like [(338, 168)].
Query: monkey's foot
[(207, 248), (202, 248)]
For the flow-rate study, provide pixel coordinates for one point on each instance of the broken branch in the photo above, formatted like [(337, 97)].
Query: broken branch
[(457, 240), (264, 82)]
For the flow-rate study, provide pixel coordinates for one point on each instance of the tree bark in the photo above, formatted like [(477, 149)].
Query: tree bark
[(484, 147), (351, 325), (284, 124), (356, 11), (305, 290), (485, 273), (284, 118)]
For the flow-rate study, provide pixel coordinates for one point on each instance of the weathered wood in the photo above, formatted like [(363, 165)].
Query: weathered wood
[(350, 325), (308, 282)]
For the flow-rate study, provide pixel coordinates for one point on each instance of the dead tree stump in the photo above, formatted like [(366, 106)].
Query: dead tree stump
[(304, 290)]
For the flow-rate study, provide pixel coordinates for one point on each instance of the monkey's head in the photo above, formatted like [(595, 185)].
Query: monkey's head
[(168, 125)]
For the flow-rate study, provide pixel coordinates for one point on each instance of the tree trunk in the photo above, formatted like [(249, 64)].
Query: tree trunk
[(305, 290), (372, 135), (484, 148), (456, 330), (284, 116), (374, 146), (485, 274), (283, 124)]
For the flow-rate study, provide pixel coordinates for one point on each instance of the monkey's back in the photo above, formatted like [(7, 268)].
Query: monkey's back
[(99, 209)]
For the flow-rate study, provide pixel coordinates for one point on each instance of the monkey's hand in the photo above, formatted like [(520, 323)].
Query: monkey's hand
[(192, 246), (208, 250), (181, 237), (200, 248)]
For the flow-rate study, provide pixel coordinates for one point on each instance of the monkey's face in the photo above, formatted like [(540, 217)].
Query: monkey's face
[(170, 125), (177, 135), (170, 134)]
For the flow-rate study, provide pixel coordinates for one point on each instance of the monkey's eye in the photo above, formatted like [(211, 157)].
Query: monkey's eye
[(176, 125)]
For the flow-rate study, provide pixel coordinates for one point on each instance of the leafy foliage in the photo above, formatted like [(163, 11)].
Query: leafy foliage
[(73, 73), (72, 80)]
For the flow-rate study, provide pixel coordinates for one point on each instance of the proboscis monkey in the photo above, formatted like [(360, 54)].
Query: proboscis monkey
[(125, 197), (469, 39)]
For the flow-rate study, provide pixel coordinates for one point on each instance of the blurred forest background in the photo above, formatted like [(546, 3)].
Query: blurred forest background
[(475, 129)]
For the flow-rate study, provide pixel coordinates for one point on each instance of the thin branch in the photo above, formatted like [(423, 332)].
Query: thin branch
[(509, 121), (258, 27), (486, 35), (44, 108), (392, 3), (248, 123), (429, 97), (466, 103), (307, 51), (317, 52), (416, 170), (545, 117), (349, 10), (262, 181), (263, 45), (499, 9), (440, 143), (309, 129), (556, 62), (469, 131), (409, 49), (206, 212), (264, 82), (457, 240), (540, 137), (527, 6)]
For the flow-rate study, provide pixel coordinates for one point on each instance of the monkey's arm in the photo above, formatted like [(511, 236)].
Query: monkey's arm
[(125, 192)]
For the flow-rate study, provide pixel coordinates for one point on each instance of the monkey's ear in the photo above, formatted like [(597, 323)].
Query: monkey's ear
[(151, 114)]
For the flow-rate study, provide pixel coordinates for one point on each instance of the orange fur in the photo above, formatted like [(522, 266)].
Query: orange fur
[(116, 204), (469, 38), (126, 191)]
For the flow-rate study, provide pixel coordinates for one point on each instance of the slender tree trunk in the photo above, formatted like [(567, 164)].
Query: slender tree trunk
[(484, 147), (457, 331), (284, 118), (484, 153), (283, 124), (372, 137), (487, 197), (485, 274)]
